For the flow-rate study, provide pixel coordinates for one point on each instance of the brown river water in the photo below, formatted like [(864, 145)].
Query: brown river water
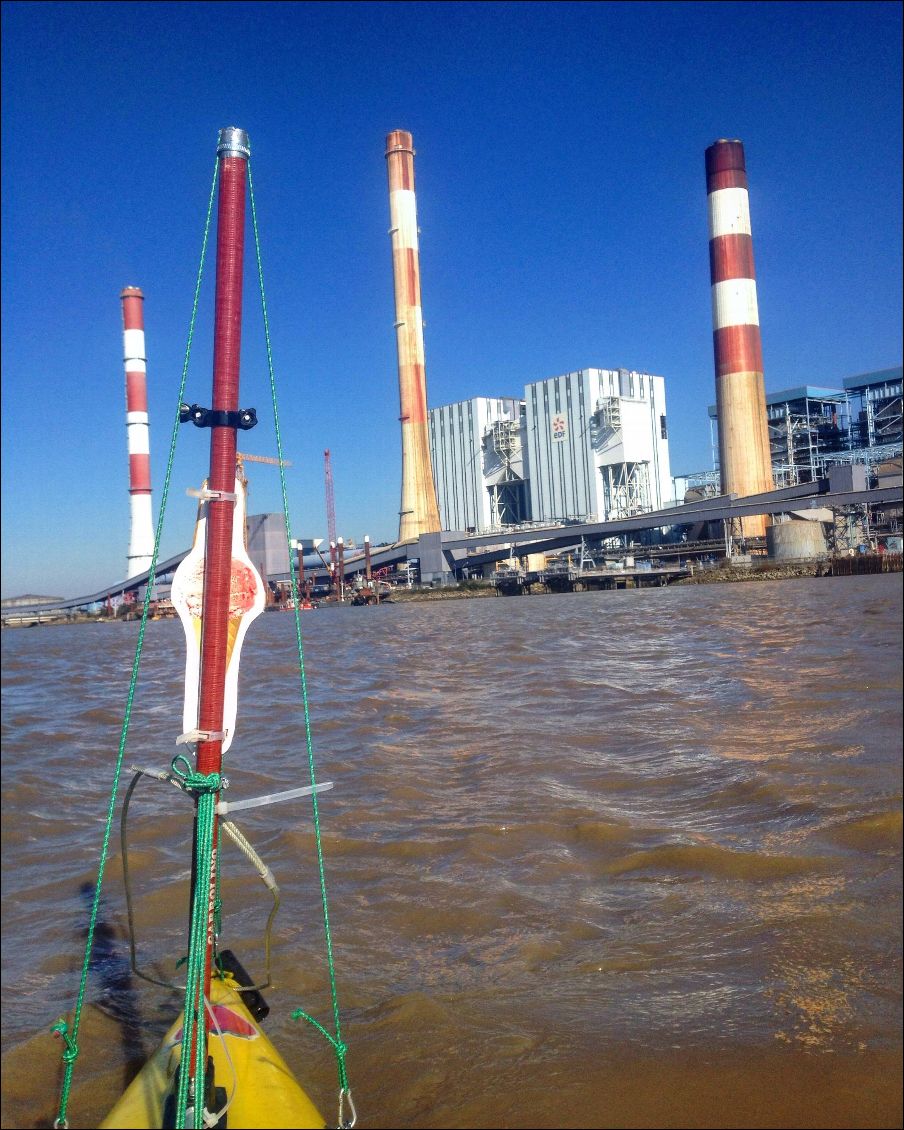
[(621, 859)]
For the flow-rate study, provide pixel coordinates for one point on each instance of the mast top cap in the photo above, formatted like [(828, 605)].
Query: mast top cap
[(234, 142), (399, 141)]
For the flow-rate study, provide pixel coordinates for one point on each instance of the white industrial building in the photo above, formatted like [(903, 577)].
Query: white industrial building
[(587, 445), (598, 445), (480, 463)]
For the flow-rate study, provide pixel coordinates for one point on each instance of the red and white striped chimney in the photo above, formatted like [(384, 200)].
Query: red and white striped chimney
[(744, 458), (418, 512), (141, 537)]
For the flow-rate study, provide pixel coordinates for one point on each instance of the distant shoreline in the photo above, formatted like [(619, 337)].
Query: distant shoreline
[(871, 565)]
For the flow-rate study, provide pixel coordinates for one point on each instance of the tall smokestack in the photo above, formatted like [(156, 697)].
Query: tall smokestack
[(141, 538), (744, 459), (418, 512)]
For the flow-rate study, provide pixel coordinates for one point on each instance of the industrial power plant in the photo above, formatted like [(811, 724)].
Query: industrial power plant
[(589, 449), (589, 446), (592, 446)]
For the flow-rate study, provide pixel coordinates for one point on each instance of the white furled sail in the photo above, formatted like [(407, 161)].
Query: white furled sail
[(246, 601)]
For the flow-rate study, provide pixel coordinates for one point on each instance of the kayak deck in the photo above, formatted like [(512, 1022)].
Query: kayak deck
[(260, 1089)]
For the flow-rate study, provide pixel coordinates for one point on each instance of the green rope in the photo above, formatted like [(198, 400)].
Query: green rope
[(192, 781), (194, 1028), (70, 1055), (71, 1052), (337, 1041), (339, 1047)]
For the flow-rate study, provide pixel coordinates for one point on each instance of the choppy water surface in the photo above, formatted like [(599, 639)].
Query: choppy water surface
[(612, 859)]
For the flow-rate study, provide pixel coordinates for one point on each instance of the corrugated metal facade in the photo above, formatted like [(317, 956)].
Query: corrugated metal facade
[(469, 458), (598, 445), (589, 444), (267, 546)]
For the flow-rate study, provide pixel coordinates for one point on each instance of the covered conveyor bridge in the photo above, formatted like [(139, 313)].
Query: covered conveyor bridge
[(447, 552)]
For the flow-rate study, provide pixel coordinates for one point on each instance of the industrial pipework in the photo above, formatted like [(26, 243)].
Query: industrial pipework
[(744, 459), (418, 512), (141, 536)]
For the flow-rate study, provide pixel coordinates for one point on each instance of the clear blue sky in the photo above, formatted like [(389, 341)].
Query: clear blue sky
[(561, 197)]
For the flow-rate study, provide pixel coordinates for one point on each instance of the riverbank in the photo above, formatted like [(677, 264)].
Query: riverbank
[(718, 575), (449, 592), (861, 565)]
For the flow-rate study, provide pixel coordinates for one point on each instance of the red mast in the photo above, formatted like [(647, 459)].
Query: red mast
[(233, 152)]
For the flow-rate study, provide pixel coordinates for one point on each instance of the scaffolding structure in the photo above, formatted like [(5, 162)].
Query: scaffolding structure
[(627, 488), (608, 414), (877, 419), (812, 429), (850, 528), (704, 484), (508, 494), (805, 427)]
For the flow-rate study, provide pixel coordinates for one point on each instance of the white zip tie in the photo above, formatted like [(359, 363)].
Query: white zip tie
[(213, 495), (192, 737), (225, 806)]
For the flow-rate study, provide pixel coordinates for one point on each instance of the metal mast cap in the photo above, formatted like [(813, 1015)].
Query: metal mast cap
[(234, 142)]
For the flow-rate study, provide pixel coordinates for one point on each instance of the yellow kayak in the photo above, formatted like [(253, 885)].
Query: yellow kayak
[(259, 1088)]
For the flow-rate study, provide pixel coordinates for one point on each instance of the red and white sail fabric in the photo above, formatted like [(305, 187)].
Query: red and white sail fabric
[(744, 456), (247, 599), (141, 536)]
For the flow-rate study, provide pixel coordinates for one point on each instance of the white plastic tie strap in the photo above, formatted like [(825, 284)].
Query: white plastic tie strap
[(212, 495), (192, 737), (225, 806)]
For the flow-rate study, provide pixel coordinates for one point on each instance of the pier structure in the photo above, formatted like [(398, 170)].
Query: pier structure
[(458, 551), (563, 576)]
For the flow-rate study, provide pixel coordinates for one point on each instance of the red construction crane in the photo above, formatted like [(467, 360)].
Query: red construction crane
[(330, 507)]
